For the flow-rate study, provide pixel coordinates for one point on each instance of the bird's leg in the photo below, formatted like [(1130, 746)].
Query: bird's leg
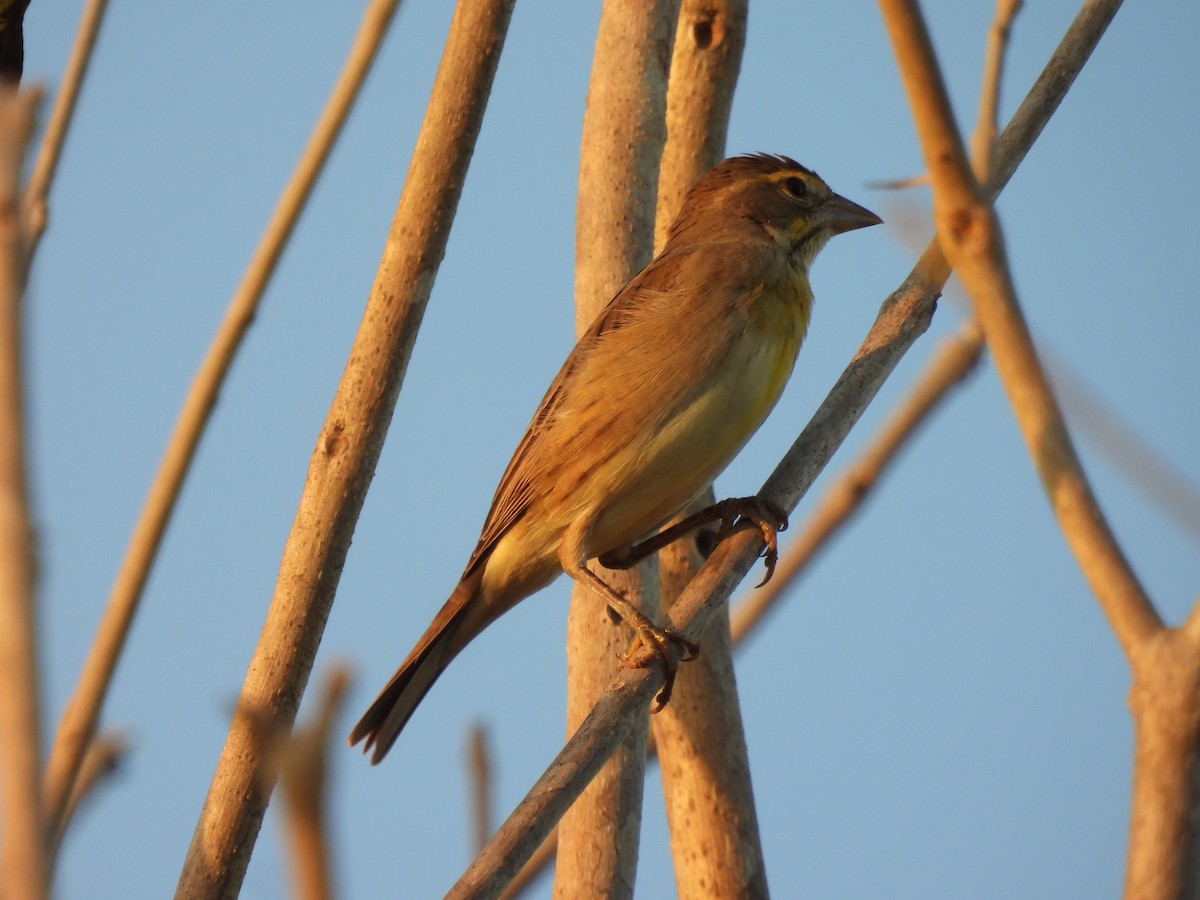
[(734, 514), (653, 641)]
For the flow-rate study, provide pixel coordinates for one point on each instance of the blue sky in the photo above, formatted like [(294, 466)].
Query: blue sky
[(939, 710)]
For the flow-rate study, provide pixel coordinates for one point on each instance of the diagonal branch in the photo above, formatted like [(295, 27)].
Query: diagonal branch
[(903, 318), (349, 444), (79, 719), (974, 243), (60, 121)]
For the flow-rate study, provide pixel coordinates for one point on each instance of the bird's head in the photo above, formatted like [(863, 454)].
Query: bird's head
[(767, 196)]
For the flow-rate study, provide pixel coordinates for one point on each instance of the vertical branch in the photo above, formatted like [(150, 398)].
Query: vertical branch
[(23, 870), (479, 780), (983, 141), (704, 68), (701, 744), (79, 719), (623, 135), (304, 779), (349, 444)]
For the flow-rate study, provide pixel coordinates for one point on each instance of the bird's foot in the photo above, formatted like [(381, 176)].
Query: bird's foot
[(655, 643)]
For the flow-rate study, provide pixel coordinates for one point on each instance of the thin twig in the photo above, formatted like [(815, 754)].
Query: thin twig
[(103, 759), (1165, 485), (904, 317), (83, 710), (349, 444), (479, 777), (38, 190), (1132, 455), (302, 765), (23, 869), (983, 141)]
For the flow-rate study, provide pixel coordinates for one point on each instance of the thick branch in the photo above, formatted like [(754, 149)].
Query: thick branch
[(699, 739), (348, 447), (623, 134)]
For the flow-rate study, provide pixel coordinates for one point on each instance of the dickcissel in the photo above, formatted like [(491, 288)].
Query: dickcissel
[(656, 399)]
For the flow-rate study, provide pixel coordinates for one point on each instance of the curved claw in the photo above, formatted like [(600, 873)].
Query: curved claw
[(655, 641), (770, 557), (769, 519)]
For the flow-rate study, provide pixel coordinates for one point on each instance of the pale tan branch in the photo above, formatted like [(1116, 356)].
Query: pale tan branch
[(83, 710), (903, 318), (709, 41), (699, 739), (302, 765), (38, 190), (623, 134), (103, 759), (983, 141), (1164, 484), (971, 237), (23, 858), (1110, 434), (1164, 855), (349, 444), (479, 778)]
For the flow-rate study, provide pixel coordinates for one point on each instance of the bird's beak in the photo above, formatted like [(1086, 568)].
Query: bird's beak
[(843, 215)]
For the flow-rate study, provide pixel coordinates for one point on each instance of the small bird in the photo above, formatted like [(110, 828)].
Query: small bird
[(658, 396)]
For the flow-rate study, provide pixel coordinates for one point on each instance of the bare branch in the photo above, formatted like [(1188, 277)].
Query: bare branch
[(348, 447), (1164, 852), (79, 719), (103, 759), (301, 763), (23, 868), (986, 127), (971, 237), (623, 134), (44, 168), (479, 777), (699, 739)]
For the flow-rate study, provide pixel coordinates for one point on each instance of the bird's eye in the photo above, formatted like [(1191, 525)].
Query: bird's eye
[(795, 187)]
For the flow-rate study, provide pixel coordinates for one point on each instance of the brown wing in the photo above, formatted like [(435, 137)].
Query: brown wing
[(515, 489)]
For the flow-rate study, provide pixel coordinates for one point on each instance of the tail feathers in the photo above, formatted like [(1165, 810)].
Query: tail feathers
[(381, 724)]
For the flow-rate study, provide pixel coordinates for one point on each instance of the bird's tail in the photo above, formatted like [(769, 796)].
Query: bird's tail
[(451, 630)]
